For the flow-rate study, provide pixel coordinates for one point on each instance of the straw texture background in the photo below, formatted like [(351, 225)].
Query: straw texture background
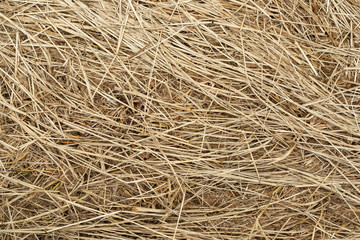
[(188, 119)]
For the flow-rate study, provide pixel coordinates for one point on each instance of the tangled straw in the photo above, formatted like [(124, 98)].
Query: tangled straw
[(213, 119)]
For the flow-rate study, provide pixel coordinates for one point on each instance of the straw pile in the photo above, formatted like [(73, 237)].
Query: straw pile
[(213, 119)]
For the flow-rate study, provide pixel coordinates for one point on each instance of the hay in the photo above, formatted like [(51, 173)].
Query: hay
[(216, 119)]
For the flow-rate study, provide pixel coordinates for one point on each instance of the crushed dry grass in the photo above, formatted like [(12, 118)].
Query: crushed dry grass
[(213, 119)]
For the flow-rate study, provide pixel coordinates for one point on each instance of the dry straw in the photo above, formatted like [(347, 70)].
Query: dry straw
[(213, 119)]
